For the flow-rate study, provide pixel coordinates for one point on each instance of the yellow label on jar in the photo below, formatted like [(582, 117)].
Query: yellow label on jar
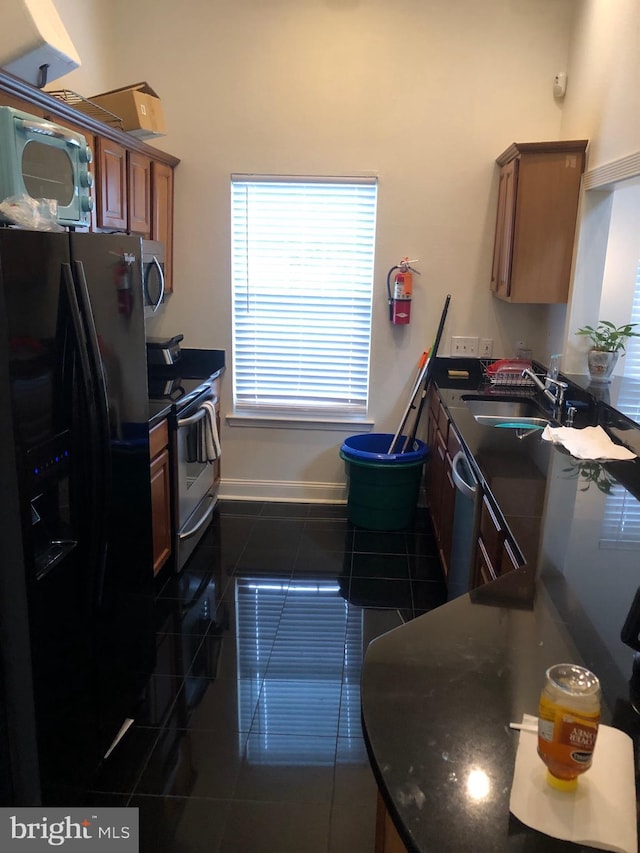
[(566, 738)]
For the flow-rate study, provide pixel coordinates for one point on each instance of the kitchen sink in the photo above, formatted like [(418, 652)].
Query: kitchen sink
[(509, 413)]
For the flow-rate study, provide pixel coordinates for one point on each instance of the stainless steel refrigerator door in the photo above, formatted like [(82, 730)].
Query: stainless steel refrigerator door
[(112, 268)]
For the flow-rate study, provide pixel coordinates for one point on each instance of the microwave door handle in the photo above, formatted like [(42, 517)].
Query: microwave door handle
[(158, 266), (48, 130)]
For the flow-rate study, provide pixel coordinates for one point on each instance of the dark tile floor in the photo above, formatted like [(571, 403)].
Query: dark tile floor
[(249, 738)]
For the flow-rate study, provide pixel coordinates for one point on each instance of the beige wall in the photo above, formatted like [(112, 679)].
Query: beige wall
[(603, 92), (425, 93), (91, 29), (603, 100)]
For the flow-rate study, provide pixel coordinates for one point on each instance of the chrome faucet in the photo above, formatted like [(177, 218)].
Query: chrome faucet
[(553, 389)]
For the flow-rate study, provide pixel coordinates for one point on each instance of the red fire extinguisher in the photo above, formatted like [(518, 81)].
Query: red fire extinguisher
[(400, 291)]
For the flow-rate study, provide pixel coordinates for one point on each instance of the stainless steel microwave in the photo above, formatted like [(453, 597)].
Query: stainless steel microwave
[(152, 276), (45, 161)]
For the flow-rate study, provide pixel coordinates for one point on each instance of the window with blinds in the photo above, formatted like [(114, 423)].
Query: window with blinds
[(302, 280), (632, 357), (621, 521)]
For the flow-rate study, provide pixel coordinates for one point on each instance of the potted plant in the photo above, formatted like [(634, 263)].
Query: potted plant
[(608, 343)]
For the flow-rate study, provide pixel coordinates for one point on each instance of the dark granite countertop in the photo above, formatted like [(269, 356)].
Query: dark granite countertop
[(158, 411), (438, 694)]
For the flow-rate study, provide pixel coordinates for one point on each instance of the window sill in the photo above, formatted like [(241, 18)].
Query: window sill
[(263, 421)]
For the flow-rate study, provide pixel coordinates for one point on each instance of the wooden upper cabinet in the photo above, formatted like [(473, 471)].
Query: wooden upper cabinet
[(538, 195), (162, 215), (139, 193), (111, 188)]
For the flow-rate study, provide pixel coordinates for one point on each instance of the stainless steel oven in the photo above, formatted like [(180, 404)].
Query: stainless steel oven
[(195, 472)]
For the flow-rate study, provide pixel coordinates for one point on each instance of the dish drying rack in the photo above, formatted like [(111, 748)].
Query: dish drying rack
[(506, 380), (87, 107)]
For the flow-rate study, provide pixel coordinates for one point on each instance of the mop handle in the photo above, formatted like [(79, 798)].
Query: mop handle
[(422, 367), (427, 377)]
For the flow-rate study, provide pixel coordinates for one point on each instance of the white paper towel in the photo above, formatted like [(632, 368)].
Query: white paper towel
[(587, 443), (600, 813)]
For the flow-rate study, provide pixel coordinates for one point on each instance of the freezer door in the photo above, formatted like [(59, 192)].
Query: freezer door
[(52, 446)]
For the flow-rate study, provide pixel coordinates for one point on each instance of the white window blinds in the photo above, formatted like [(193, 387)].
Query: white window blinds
[(302, 278), (632, 356), (621, 521)]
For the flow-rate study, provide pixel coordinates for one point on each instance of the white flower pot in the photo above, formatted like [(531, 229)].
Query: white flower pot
[(601, 365)]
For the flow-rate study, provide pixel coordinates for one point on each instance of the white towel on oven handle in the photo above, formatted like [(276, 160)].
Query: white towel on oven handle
[(210, 446)]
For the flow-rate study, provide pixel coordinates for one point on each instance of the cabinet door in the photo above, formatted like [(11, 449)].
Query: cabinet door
[(111, 168), (161, 509), (139, 193), (508, 560), (484, 569), (162, 215), (538, 198), (503, 244)]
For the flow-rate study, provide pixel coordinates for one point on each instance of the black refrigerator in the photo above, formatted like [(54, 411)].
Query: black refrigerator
[(76, 583)]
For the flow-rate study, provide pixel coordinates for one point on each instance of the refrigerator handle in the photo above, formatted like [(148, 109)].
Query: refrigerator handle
[(100, 439), (81, 342), (95, 359)]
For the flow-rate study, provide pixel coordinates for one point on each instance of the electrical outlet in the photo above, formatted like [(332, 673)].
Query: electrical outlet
[(458, 345), (486, 348), (464, 346)]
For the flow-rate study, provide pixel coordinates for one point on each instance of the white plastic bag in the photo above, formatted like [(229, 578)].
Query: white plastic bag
[(38, 214)]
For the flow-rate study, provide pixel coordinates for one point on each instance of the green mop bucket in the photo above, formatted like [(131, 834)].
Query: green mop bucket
[(383, 487)]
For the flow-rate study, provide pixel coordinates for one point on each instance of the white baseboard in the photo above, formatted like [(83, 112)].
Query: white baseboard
[(284, 491)]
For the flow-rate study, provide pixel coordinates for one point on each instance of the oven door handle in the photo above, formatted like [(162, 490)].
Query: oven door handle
[(183, 422), (187, 534), (193, 419)]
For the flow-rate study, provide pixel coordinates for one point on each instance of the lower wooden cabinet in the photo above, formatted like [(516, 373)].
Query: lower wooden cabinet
[(495, 556), (387, 838), (493, 553), (444, 445), (160, 494)]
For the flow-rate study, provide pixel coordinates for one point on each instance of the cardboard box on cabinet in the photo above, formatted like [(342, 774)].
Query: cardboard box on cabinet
[(139, 108)]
